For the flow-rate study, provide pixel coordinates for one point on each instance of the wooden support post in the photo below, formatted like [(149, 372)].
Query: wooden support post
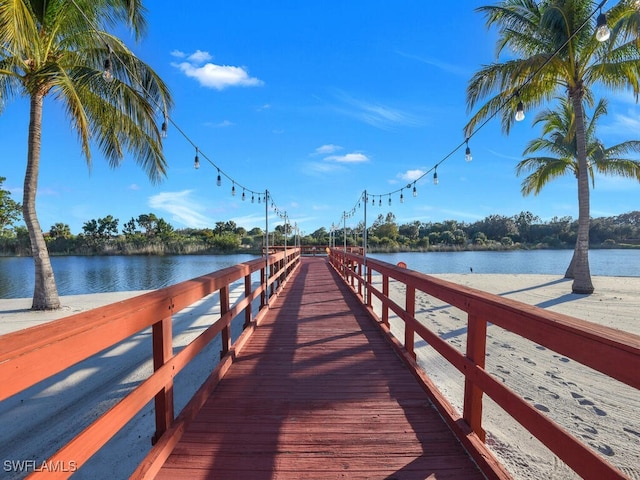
[(248, 313), (385, 305), (226, 330), (162, 342), (409, 333), (360, 279), (476, 352), (263, 282), (369, 274)]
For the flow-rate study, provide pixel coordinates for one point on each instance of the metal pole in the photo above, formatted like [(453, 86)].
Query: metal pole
[(344, 230), (364, 247), (266, 240)]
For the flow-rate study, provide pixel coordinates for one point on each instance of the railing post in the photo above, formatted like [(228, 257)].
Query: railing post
[(226, 330), (385, 306), (162, 343), (409, 332), (248, 312), (368, 274), (360, 280), (263, 282), (476, 352)]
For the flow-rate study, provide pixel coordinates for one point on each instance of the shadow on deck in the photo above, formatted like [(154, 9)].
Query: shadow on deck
[(317, 392)]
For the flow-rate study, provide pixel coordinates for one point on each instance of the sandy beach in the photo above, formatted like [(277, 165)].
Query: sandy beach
[(602, 412)]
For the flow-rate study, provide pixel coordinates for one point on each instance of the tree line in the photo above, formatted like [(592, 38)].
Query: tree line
[(149, 234)]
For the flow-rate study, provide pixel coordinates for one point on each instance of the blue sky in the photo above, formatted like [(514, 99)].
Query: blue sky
[(315, 102)]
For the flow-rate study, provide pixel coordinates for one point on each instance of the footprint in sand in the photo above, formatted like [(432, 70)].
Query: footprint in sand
[(540, 347), (539, 406), (562, 359), (551, 394), (632, 432), (529, 361), (552, 375), (588, 403), (601, 447), (503, 370)]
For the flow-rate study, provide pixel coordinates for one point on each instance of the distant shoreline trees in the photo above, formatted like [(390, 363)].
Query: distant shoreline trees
[(151, 235)]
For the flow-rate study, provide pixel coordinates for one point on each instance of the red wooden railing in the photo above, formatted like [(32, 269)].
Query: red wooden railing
[(34, 354), (610, 351)]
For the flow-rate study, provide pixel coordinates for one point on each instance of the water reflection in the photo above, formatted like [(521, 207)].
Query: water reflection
[(79, 275)]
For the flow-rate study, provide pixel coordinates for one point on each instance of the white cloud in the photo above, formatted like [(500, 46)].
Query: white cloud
[(327, 149), (376, 114), (199, 57), (411, 175), (134, 186), (222, 124), (214, 76), (181, 208), (178, 54), (348, 158)]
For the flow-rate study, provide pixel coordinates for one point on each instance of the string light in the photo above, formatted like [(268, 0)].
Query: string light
[(602, 29), (389, 199), (401, 197), (467, 152), (519, 109), (107, 73), (233, 190), (219, 179), (196, 161), (415, 192), (165, 127), (435, 177)]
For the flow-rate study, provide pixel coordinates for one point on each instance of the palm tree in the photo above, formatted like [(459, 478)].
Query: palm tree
[(553, 49), (560, 127), (60, 49)]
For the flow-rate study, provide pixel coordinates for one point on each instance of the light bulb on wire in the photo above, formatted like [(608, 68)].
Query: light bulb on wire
[(602, 29), (107, 73), (196, 161), (520, 112), (467, 152), (219, 179)]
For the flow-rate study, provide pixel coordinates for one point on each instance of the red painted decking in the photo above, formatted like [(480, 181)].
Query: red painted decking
[(318, 393)]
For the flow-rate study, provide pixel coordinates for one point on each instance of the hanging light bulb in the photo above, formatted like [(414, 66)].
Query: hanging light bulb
[(107, 73), (163, 129), (243, 195), (602, 29), (219, 179), (435, 178), (520, 112), (380, 202), (415, 192), (253, 198), (401, 197), (233, 190), (259, 198), (373, 200), (196, 162), (389, 200), (467, 152)]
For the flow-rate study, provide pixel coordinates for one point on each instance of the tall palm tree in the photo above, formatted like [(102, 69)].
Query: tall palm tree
[(552, 48), (559, 139), (62, 50)]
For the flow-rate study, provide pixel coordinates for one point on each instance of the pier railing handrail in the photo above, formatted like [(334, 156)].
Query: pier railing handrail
[(609, 351), (34, 354)]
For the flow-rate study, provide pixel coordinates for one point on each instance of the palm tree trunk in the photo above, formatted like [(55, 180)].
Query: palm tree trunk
[(45, 292), (582, 275), (572, 264)]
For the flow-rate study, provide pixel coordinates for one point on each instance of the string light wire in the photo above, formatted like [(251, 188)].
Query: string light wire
[(167, 119)]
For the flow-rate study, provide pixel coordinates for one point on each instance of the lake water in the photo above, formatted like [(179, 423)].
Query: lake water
[(80, 275)]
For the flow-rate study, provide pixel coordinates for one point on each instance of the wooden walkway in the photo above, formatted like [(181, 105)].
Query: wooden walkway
[(318, 393)]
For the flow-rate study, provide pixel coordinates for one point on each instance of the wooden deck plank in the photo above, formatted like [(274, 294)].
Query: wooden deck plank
[(318, 393)]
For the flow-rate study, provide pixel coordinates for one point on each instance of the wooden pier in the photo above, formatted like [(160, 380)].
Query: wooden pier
[(315, 386), (317, 392)]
